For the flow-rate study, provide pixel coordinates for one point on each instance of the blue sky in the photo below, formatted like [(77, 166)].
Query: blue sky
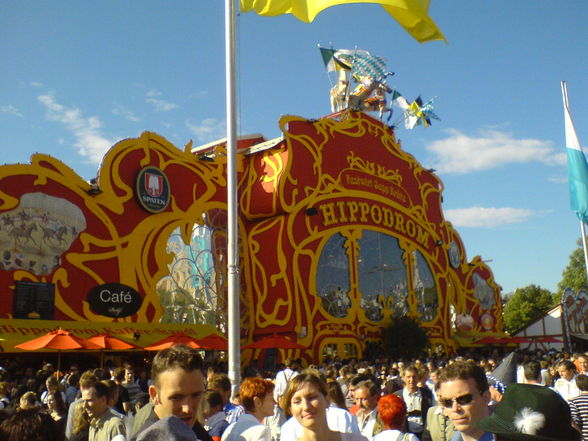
[(78, 76)]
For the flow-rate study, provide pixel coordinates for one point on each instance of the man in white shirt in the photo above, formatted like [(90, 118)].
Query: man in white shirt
[(283, 378), (366, 397), (418, 400), (566, 384)]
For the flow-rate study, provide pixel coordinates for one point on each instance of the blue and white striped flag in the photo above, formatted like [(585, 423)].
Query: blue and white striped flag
[(577, 166)]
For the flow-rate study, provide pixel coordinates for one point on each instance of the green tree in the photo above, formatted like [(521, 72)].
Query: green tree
[(526, 305), (404, 338), (574, 276)]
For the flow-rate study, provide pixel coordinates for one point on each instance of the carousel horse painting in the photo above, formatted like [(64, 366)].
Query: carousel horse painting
[(23, 232)]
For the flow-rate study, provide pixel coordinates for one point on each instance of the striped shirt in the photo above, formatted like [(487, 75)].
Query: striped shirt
[(579, 408)]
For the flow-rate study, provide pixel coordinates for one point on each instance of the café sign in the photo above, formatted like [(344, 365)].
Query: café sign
[(114, 300)]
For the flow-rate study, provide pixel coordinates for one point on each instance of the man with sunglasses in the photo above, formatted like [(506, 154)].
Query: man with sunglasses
[(464, 396)]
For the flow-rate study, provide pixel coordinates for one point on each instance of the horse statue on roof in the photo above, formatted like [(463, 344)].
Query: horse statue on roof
[(370, 95)]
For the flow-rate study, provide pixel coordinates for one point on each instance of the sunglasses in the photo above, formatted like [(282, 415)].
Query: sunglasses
[(462, 400)]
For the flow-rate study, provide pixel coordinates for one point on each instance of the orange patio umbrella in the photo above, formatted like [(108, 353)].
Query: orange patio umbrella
[(549, 340), (488, 341), (519, 340), (178, 338), (59, 339), (213, 341), (274, 341), (109, 342)]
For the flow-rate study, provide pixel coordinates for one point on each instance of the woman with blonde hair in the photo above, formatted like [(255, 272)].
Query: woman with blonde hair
[(307, 400), (28, 400), (81, 423)]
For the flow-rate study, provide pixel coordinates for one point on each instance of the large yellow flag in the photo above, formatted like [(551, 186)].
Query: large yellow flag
[(413, 15)]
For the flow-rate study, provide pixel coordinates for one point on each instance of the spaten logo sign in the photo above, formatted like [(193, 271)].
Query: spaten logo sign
[(153, 192)]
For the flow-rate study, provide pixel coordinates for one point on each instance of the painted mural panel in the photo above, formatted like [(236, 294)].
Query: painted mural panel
[(34, 236), (58, 229)]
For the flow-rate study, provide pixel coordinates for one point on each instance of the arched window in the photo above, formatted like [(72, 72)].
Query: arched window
[(425, 288), (189, 294), (382, 275), (332, 277)]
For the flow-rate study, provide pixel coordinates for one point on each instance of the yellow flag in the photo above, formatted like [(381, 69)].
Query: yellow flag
[(413, 15)]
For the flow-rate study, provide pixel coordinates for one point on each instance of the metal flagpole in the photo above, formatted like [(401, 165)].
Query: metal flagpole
[(583, 229), (232, 219)]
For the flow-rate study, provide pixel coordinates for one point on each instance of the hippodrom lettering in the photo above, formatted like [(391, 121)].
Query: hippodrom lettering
[(334, 213)]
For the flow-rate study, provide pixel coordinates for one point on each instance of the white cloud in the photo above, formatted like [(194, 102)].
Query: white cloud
[(459, 153), (125, 113), (89, 142), (11, 110), (487, 217), (36, 84), (208, 130), (160, 105)]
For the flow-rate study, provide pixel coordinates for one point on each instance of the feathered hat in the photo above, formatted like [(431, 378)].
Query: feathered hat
[(529, 412)]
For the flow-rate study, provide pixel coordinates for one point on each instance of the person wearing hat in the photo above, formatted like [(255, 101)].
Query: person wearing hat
[(530, 412)]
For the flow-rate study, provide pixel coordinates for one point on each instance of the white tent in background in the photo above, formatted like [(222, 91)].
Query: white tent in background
[(545, 330)]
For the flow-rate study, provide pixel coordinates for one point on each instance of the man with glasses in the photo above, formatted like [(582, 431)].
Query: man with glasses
[(464, 396)]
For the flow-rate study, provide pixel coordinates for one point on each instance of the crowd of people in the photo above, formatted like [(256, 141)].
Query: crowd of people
[(538, 396)]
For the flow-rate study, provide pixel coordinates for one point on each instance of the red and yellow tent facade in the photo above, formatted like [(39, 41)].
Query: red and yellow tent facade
[(341, 231)]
